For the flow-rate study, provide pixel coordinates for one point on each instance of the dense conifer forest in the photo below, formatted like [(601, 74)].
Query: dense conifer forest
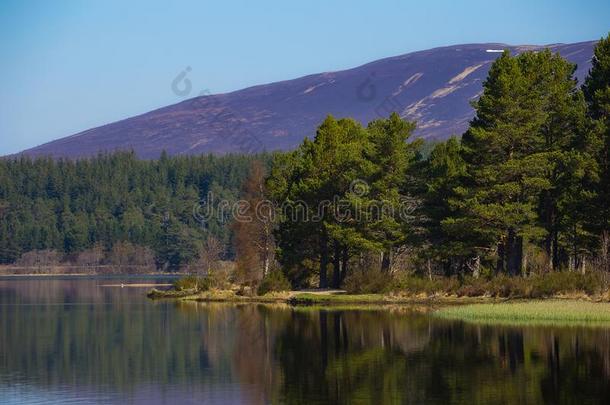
[(81, 211)]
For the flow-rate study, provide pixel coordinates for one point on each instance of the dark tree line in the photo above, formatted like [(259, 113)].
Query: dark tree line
[(90, 204)]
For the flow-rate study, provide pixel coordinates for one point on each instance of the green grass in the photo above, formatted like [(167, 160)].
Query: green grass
[(375, 299), (548, 312), (309, 298)]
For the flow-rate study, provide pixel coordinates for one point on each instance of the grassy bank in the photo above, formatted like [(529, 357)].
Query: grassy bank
[(548, 285), (548, 312), (384, 288), (480, 310), (560, 309), (314, 298)]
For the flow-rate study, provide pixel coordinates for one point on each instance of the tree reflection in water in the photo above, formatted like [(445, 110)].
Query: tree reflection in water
[(88, 340)]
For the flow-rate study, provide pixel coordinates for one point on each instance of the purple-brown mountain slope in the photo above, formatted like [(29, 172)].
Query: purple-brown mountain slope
[(433, 87)]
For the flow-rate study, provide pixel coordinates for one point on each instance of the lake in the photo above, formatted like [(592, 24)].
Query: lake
[(74, 341)]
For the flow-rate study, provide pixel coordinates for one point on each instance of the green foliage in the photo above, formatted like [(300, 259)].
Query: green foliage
[(192, 282), (368, 282), (73, 205), (527, 164), (424, 285), (335, 187), (597, 95), (274, 281), (438, 179), (502, 286)]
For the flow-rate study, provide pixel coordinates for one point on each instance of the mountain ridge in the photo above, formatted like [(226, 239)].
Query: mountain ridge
[(433, 87)]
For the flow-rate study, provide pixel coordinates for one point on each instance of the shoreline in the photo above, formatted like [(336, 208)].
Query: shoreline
[(556, 310), (550, 312), (323, 298), (92, 275)]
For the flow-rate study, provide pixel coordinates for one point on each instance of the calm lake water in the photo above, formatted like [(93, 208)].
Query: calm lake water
[(73, 341)]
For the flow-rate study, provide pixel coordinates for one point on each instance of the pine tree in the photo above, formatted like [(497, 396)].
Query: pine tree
[(311, 182), (597, 94), (529, 121), (391, 157), (440, 174)]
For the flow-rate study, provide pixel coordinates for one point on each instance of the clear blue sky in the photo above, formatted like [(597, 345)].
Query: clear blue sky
[(67, 66)]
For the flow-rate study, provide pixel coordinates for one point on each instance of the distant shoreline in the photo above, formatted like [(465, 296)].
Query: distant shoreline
[(84, 275)]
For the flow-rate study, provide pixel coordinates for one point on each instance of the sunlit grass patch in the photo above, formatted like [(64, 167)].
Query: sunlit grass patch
[(309, 298), (548, 312)]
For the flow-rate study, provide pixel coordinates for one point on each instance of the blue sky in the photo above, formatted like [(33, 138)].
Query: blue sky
[(67, 66)]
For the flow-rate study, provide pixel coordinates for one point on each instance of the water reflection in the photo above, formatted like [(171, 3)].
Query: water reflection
[(73, 340)]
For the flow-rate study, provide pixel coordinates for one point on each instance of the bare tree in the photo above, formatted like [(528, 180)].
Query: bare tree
[(127, 255), (39, 259), (209, 255), (253, 232), (144, 257), (91, 257)]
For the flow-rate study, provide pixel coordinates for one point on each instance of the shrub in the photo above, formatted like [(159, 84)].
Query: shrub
[(125, 254), (419, 285), (535, 286), (39, 258), (219, 278), (274, 281), (368, 282), (564, 283), (192, 283), (472, 290)]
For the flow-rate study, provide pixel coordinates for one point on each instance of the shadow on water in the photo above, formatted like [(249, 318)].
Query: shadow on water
[(72, 339)]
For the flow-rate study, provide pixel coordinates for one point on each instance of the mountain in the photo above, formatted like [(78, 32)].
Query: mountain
[(433, 87)]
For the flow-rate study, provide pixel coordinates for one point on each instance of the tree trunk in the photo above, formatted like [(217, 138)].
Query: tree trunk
[(605, 251), (344, 261), (476, 267), (573, 257), (323, 260), (385, 261), (519, 256), (555, 249), (510, 252), (447, 268), (514, 252), (501, 258), (266, 265), (336, 265), (549, 241), (550, 255)]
